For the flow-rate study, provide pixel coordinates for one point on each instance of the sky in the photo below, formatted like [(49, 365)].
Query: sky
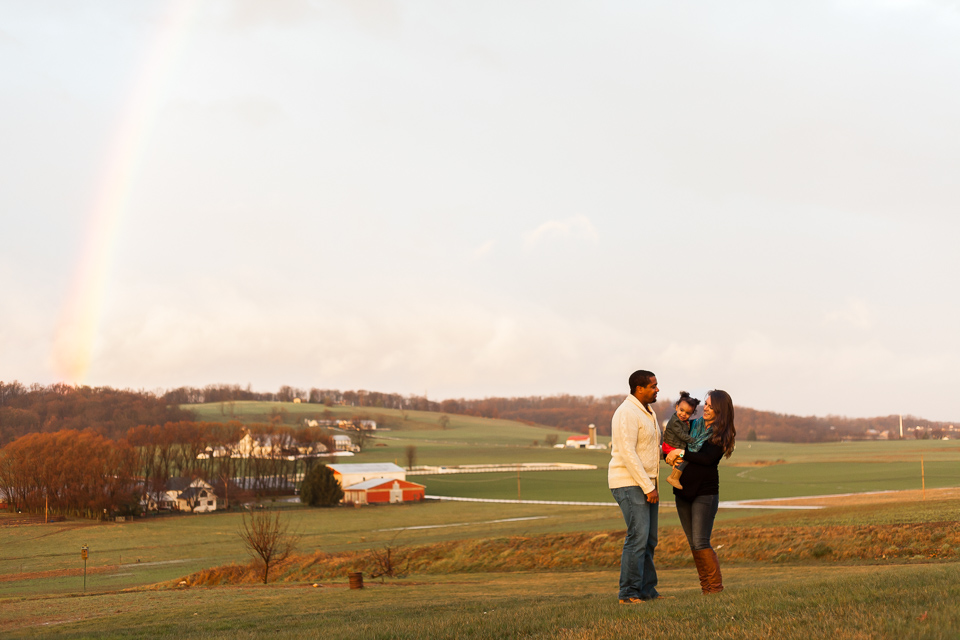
[(472, 199)]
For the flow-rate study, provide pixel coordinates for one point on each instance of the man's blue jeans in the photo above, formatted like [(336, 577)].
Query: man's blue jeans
[(638, 576)]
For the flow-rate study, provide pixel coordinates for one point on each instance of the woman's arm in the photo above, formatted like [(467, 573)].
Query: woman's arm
[(708, 456)]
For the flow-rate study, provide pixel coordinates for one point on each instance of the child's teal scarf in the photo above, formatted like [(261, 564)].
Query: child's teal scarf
[(700, 434)]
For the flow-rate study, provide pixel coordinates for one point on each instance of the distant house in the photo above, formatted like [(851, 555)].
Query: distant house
[(264, 446), (350, 474), (383, 491), (344, 443), (359, 425), (578, 442), (185, 494)]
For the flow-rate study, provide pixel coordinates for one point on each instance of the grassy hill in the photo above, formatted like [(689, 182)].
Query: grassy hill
[(808, 574), (865, 566)]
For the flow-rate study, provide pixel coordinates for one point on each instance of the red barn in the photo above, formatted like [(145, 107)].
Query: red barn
[(383, 491)]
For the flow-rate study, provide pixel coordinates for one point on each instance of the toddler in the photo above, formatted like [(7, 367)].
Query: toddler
[(677, 434)]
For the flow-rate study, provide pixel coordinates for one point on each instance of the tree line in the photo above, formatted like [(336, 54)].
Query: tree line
[(84, 473), (57, 407), (111, 412)]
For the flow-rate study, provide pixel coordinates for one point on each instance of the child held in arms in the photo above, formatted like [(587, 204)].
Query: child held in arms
[(677, 434)]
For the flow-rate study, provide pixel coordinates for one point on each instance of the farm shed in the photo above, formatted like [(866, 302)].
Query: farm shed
[(383, 491), (578, 442), (350, 474)]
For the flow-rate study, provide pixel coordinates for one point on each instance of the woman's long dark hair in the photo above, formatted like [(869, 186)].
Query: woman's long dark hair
[(724, 432)]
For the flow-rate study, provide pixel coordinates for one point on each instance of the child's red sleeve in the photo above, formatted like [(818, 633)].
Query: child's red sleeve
[(666, 448)]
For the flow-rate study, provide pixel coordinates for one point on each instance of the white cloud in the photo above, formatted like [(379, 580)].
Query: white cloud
[(576, 227)]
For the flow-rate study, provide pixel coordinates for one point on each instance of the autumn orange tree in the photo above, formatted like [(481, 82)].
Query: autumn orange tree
[(69, 472)]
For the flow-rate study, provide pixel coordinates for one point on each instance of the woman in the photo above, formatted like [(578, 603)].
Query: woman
[(697, 502)]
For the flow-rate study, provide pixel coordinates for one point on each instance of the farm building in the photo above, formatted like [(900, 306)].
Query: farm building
[(350, 474), (578, 442), (383, 491), (344, 443), (358, 425), (184, 494)]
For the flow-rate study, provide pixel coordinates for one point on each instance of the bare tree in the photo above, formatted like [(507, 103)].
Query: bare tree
[(444, 422), (267, 536), (388, 561), (411, 453)]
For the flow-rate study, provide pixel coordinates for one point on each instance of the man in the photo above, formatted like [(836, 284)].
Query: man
[(632, 478)]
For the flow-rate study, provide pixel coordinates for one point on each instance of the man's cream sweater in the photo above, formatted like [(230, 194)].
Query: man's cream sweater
[(635, 453)]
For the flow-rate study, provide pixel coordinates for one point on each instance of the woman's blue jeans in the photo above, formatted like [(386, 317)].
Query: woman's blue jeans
[(638, 576), (696, 518)]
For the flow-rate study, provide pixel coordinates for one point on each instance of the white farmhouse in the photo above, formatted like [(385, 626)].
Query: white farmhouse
[(344, 443), (184, 494)]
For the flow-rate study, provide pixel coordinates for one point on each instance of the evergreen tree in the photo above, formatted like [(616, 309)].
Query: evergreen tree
[(320, 488)]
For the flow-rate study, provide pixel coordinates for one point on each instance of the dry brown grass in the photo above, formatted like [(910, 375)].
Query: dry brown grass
[(587, 551)]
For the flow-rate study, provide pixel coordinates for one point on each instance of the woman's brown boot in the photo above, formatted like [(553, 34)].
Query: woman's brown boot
[(674, 478), (711, 581), (699, 559)]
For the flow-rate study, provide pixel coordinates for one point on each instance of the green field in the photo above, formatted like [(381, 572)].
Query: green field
[(804, 469), (41, 577), (789, 602), (808, 601)]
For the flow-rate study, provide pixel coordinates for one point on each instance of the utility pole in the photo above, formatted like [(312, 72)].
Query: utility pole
[(83, 554), (923, 480), (518, 482), (901, 426)]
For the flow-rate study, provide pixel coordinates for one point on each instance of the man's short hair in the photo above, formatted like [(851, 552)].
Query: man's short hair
[(640, 378)]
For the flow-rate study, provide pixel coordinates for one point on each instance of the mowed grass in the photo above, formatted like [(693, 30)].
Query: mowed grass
[(157, 549), (46, 558), (799, 597), (759, 602)]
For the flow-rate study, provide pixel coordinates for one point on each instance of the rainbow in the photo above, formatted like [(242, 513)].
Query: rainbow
[(76, 333)]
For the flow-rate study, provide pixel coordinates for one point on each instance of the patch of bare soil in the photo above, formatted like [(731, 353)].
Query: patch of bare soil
[(57, 573)]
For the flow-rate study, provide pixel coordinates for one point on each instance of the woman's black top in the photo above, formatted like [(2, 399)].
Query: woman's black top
[(700, 477)]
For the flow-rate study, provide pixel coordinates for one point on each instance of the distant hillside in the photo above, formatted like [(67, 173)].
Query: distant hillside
[(574, 413), (108, 412), (112, 412)]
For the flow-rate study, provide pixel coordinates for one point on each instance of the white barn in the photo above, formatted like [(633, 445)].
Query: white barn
[(350, 474)]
